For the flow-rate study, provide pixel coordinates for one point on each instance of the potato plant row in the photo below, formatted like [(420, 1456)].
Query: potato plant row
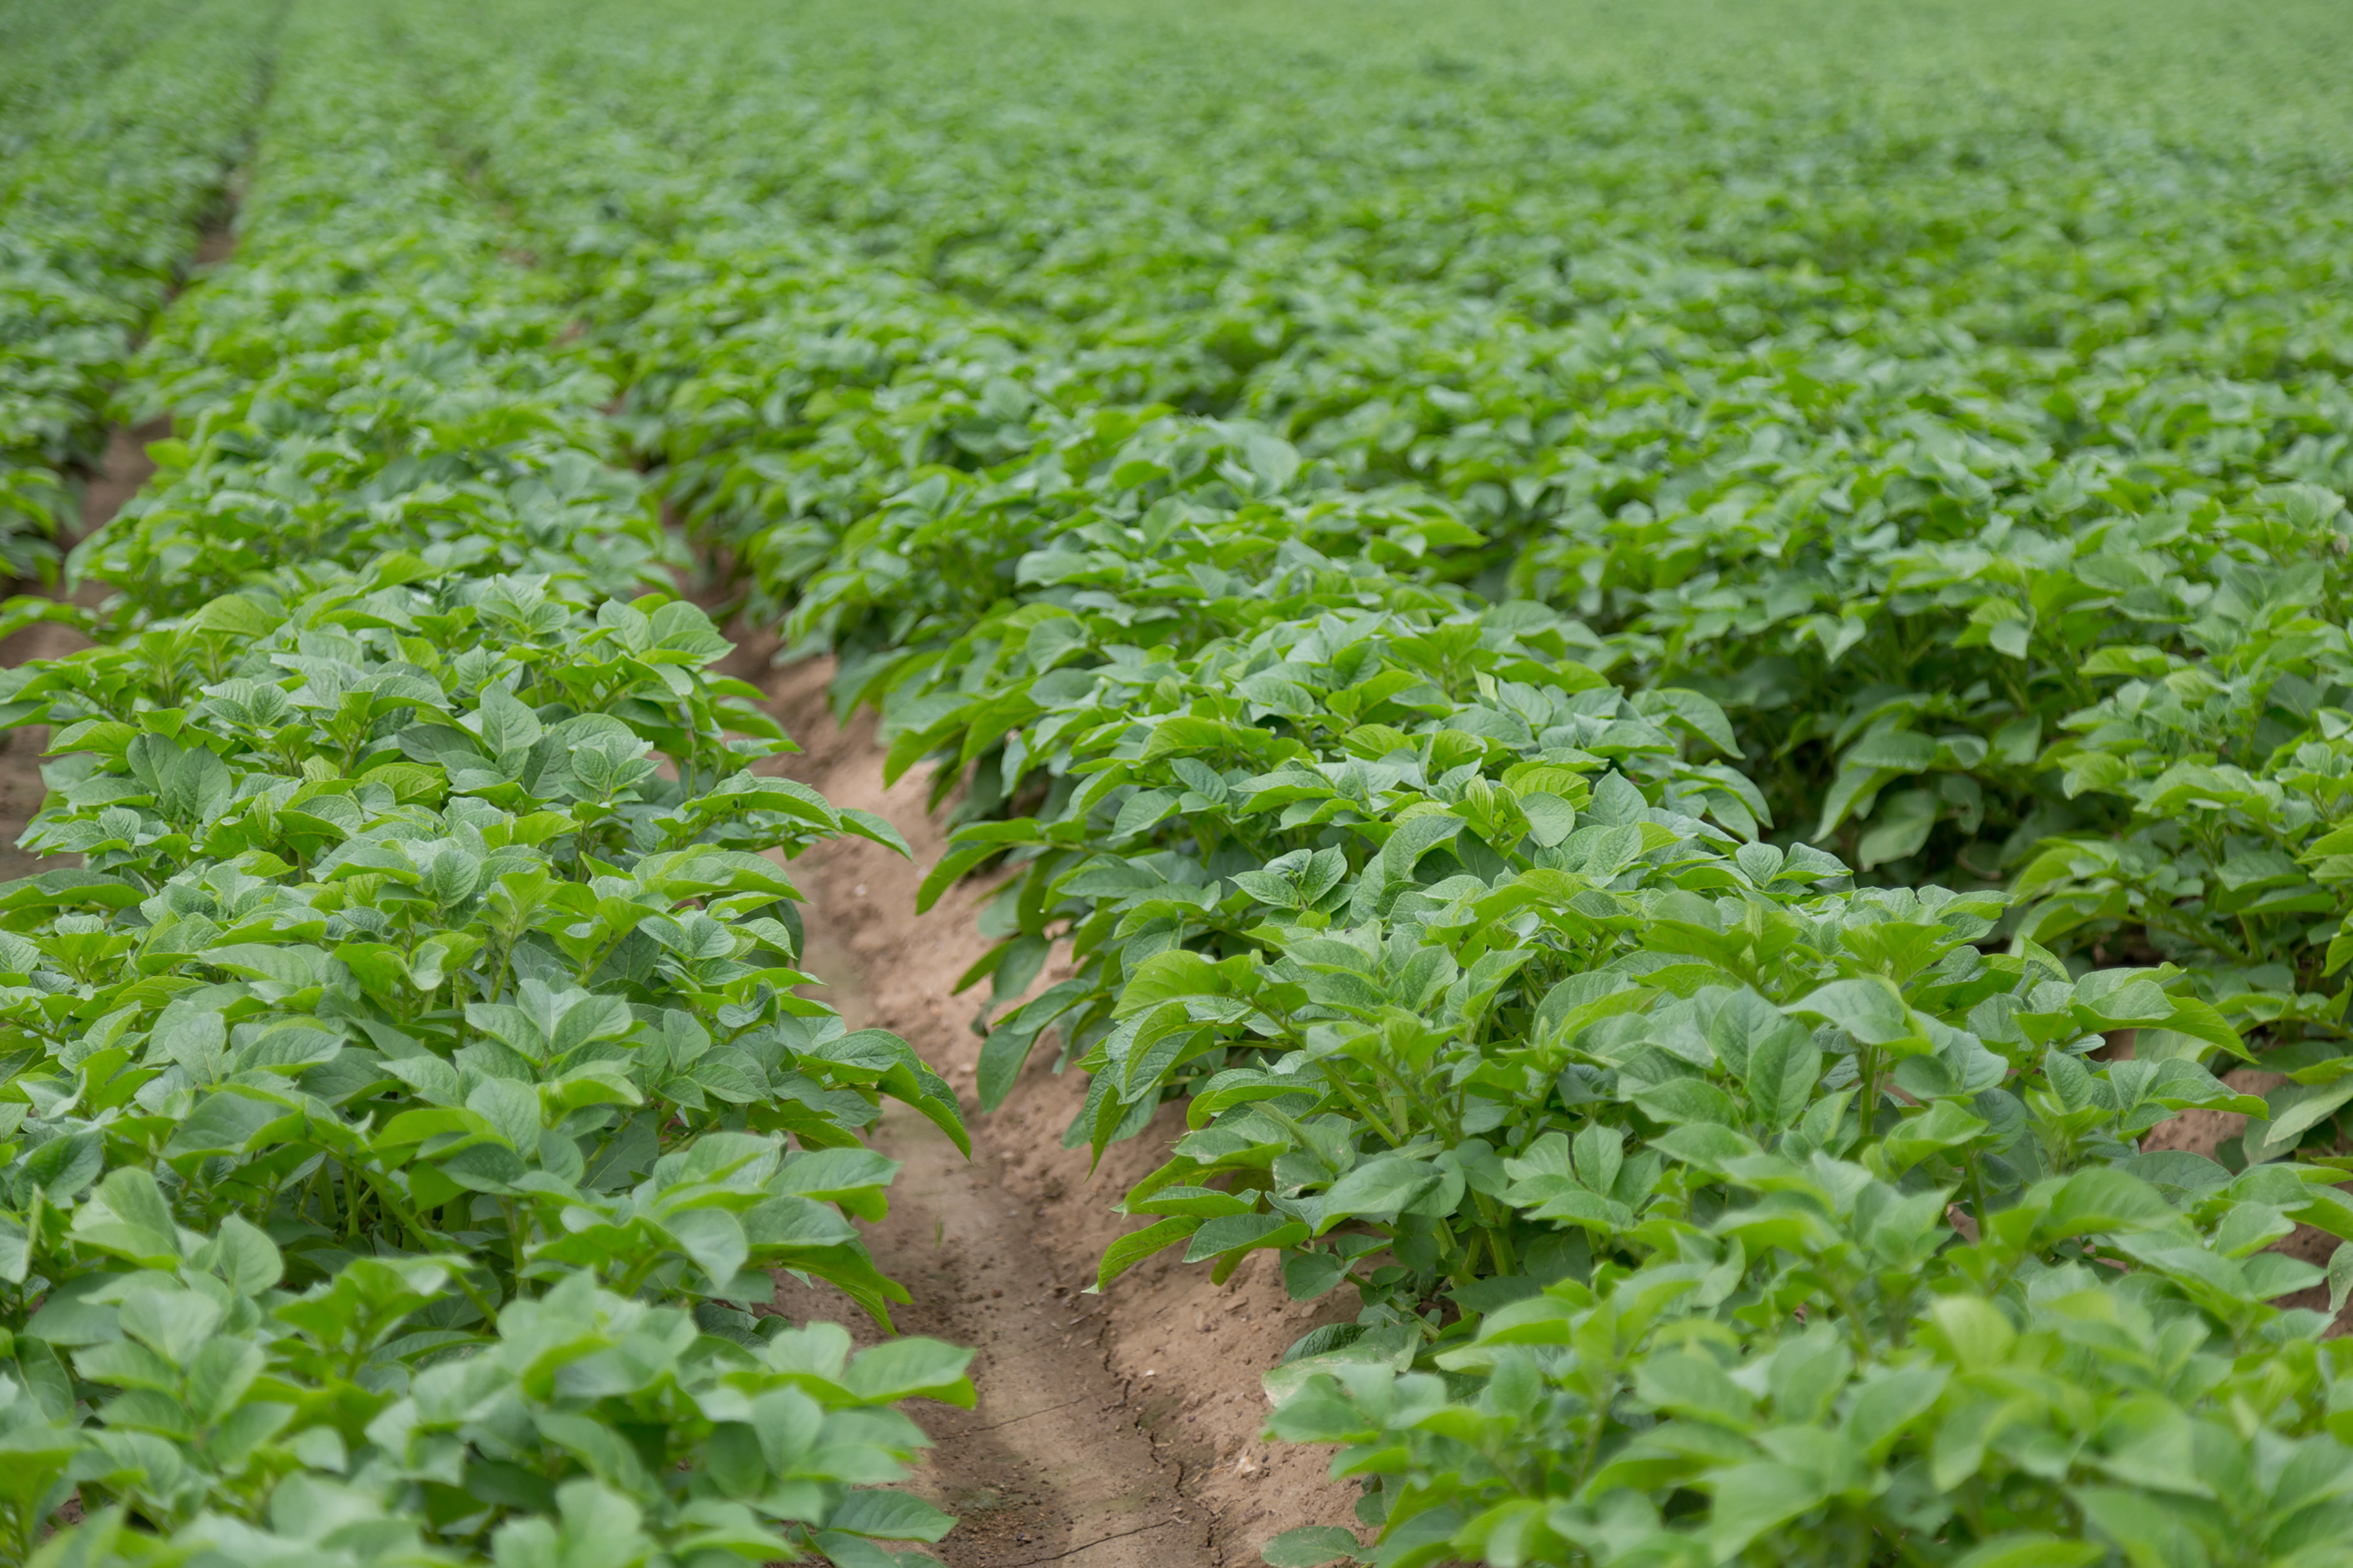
[(1402, 682), (410, 1097), (55, 52), (2124, 650), (119, 126), (1395, 551), (1856, 503)]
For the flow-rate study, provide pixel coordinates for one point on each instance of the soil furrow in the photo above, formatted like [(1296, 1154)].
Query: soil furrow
[(1053, 1465), (1112, 1430)]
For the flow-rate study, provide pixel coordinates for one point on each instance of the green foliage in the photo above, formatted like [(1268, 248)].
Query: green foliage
[(118, 128), (1396, 630), (408, 1092), (2075, 1413), (1396, 533), (1918, 597)]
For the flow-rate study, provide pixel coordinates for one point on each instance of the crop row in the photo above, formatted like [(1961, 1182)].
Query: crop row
[(409, 1092), (1395, 585), (1355, 657), (1954, 617), (118, 130), (55, 52)]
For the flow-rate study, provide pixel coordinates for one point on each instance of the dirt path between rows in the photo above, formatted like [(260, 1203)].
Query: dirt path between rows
[(1113, 1431)]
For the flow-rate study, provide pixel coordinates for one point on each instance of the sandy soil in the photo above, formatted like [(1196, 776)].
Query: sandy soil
[(1113, 1430)]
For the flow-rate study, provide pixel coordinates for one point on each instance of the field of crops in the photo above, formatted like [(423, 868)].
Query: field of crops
[(1600, 757)]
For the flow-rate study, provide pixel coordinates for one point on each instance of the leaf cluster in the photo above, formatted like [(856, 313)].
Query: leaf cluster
[(408, 1091)]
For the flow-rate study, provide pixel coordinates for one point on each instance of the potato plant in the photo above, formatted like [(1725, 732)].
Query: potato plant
[(1409, 701)]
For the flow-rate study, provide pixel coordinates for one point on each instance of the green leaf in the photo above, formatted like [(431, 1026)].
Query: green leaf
[(2150, 1534), (1681, 1100), (1898, 827), (2028, 1549), (1550, 818), (1138, 1244), (1782, 1069), (1309, 1546), (714, 1238), (908, 1369), (1223, 1234), (1867, 1007), (1379, 1187), (889, 1516), (1143, 810), (1752, 1498), (128, 1216), (1168, 977), (1912, 1140)]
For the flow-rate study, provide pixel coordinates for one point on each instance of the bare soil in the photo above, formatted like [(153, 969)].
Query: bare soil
[(124, 469), (1114, 1431)]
